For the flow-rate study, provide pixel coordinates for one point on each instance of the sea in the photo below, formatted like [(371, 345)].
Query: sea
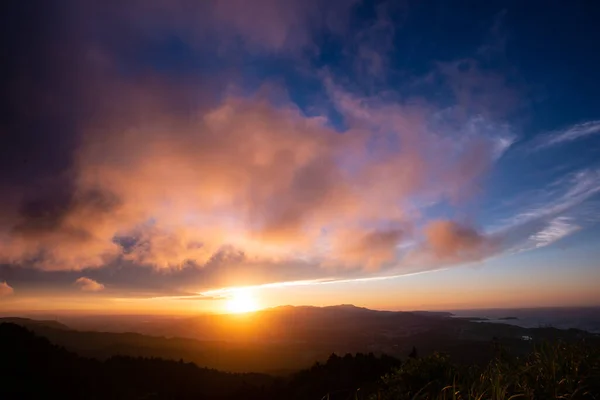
[(584, 318)]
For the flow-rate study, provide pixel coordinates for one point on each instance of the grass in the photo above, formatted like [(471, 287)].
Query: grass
[(550, 371)]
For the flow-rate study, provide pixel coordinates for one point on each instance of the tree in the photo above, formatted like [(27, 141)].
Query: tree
[(413, 353)]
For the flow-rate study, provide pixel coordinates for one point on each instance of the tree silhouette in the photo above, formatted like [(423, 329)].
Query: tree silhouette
[(413, 353)]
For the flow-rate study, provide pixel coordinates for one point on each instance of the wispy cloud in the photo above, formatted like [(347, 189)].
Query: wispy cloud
[(563, 209), (225, 291), (190, 297), (575, 132), (556, 229), (5, 289), (559, 196)]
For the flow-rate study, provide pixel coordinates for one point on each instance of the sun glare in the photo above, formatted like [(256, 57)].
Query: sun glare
[(242, 301)]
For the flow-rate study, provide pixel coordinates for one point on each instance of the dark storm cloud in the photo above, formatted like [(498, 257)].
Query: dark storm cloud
[(48, 78), (40, 102), (69, 67)]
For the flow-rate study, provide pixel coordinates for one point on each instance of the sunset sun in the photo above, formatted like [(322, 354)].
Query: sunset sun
[(242, 301)]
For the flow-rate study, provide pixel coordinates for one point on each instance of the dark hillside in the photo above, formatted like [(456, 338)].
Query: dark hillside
[(32, 368)]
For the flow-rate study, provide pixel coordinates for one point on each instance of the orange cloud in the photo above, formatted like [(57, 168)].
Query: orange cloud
[(369, 249), (448, 240), (5, 289), (159, 187), (89, 285)]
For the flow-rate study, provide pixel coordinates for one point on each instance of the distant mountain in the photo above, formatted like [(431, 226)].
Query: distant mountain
[(32, 323), (335, 324), (444, 314), (285, 339)]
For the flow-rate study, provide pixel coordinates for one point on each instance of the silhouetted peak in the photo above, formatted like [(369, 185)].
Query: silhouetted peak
[(347, 307), (34, 323)]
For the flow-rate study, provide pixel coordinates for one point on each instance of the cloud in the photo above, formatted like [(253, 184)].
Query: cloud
[(189, 297), (560, 196), (224, 291), (371, 46), (575, 132), (283, 27), (370, 249), (150, 169), (156, 187), (440, 153), (89, 285), (276, 25), (5, 289), (137, 151), (560, 209), (453, 242), (556, 229), (478, 90)]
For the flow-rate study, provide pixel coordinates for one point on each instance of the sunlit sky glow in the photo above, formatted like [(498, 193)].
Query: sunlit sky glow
[(223, 155)]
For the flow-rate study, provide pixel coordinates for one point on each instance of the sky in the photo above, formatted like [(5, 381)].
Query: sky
[(158, 155)]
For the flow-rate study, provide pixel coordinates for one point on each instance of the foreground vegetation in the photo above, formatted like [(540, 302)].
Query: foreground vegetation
[(31, 367), (550, 371)]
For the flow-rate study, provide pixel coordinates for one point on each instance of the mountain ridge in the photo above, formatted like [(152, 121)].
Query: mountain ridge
[(288, 338)]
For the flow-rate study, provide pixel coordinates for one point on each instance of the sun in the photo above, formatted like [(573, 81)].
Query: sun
[(241, 301)]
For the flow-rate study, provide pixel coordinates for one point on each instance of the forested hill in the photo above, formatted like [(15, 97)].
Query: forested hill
[(33, 368)]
